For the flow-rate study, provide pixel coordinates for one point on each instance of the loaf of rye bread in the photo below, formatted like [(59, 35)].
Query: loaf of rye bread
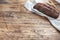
[(46, 9)]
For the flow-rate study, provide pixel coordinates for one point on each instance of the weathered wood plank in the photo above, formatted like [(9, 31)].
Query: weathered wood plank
[(17, 23)]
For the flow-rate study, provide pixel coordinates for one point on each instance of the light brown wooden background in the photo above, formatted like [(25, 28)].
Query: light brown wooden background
[(17, 23)]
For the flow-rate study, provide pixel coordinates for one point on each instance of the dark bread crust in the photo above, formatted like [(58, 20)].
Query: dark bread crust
[(46, 9)]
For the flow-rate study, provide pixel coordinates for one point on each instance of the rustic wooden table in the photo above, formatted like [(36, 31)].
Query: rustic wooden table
[(17, 23)]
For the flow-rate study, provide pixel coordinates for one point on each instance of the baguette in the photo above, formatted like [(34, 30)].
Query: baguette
[(46, 9)]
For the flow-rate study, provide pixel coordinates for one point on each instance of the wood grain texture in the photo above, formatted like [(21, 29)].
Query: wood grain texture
[(17, 23)]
